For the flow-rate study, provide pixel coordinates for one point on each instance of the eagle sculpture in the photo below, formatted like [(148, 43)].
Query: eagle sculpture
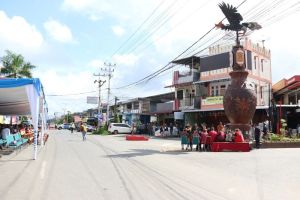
[(234, 18)]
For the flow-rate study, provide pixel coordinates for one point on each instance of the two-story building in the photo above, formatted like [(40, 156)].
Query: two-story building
[(157, 108), (286, 103), (206, 91)]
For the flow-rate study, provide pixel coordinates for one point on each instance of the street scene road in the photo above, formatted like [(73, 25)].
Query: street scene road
[(109, 167)]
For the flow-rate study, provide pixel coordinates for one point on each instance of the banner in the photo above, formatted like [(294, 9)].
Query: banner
[(212, 100)]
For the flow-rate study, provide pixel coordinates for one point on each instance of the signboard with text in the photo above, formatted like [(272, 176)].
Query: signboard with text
[(92, 100), (212, 100)]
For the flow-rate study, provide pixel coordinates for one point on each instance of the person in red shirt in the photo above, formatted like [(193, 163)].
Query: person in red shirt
[(213, 134), (238, 136), (203, 146)]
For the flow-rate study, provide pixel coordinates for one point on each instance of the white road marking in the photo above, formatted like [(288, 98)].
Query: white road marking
[(42, 172)]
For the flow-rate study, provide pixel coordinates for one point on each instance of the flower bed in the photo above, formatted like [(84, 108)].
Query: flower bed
[(280, 144), (280, 141)]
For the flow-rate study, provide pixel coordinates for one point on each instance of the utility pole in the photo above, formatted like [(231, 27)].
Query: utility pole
[(100, 84), (108, 72), (115, 110)]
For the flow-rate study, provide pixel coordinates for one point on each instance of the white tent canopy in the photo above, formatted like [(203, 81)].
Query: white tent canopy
[(23, 96)]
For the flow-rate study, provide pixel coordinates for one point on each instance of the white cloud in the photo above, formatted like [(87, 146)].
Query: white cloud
[(95, 64), (67, 83), (128, 59), (94, 9), (58, 31), (18, 35), (118, 30)]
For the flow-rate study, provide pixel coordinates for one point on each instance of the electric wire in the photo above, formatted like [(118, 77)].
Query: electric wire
[(139, 27)]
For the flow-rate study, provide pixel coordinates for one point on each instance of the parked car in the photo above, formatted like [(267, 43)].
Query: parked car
[(63, 126), (116, 128), (90, 128)]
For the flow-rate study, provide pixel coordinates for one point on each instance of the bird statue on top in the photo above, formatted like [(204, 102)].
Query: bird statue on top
[(234, 18)]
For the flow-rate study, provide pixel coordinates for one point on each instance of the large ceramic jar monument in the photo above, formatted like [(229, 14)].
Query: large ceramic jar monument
[(239, 102)]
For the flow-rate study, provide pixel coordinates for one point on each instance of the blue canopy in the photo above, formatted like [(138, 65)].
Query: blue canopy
[(23, 96), (18, 82)]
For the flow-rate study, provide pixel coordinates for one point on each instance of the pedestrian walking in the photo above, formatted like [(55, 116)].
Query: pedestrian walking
[(171, 129), (83, 131), (257, 136), (72, 127)]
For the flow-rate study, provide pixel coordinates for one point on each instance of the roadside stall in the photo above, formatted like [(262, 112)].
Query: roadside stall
[(25, 96)]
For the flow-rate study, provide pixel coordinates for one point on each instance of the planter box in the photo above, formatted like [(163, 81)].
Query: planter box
[(280, 145)]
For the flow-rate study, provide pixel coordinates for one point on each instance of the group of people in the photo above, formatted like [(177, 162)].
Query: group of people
[(203, 137), (25, 130), (151, 129)]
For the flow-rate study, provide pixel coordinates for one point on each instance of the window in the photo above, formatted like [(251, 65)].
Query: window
[(261, 92), (255, 62), (222, 90), (255, 89), (136, 105), (262, 65), (180, 94), (217, 90), (212, 92)]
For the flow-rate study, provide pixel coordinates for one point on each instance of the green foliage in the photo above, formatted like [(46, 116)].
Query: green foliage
[(283, 123), (116, 118), (105, 127), (14, 66), (23, 118), (283, 126), (281, 138), (101, 131), (275, 137), (68, 118)]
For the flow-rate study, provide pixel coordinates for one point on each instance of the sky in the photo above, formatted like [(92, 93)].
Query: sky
[(70, 40)]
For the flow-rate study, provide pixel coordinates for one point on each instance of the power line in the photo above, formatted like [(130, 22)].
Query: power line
[(164, 67), (80, 93), (139, 27), (150, 33)]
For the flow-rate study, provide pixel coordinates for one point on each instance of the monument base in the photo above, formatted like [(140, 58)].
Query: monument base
[(242, 127)]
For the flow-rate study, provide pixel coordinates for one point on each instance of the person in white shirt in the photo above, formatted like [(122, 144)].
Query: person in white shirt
[(5, 132)]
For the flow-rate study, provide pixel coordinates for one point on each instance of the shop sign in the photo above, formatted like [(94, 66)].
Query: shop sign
[(212, 100)]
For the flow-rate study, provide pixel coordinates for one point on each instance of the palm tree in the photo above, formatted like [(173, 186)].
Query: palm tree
[(14, 66)]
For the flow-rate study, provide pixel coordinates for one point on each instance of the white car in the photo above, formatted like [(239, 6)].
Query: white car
[(119, 128)]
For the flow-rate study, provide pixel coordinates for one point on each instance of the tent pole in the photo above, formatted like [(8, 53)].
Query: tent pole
[(35, 144), (43, 128)]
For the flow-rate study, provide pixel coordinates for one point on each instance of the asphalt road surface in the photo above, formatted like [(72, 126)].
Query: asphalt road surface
[(109, 167)]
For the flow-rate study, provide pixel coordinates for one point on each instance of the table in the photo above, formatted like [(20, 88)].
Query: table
[(232, 146)]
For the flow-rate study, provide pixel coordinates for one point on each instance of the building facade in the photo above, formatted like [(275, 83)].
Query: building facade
[(201, 98), (286, 103), (157, 108)]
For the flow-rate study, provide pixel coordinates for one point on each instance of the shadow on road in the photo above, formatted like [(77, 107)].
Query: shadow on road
[(17, 160), (144, 152)]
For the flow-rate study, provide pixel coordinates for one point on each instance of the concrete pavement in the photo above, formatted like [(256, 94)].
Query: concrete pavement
[(108, 167)]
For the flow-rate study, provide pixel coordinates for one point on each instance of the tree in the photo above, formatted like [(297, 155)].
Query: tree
[(14, 66)]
